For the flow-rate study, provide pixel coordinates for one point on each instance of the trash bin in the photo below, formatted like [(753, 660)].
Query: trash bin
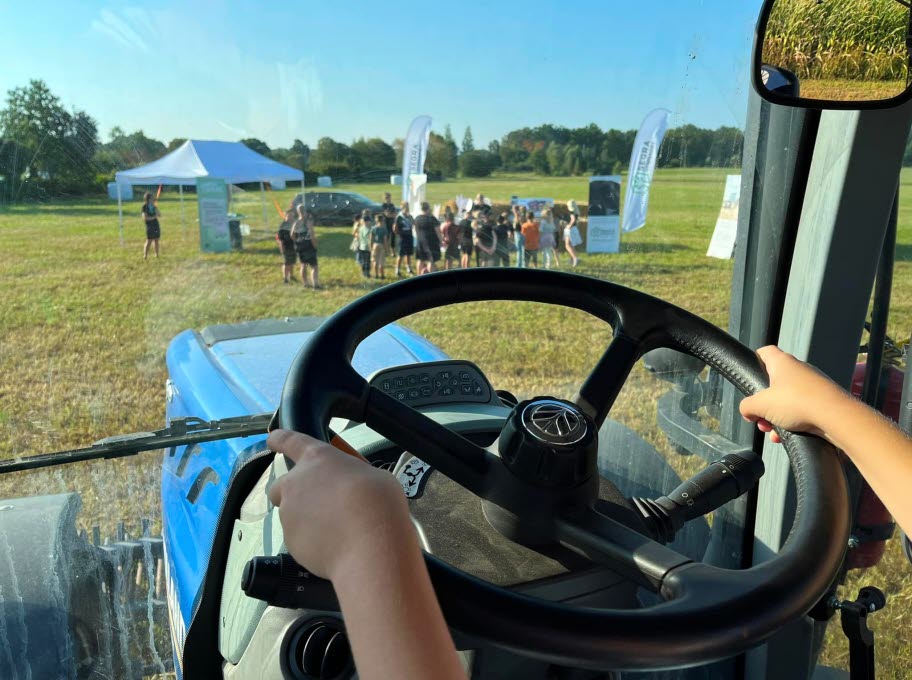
[(234, 233)]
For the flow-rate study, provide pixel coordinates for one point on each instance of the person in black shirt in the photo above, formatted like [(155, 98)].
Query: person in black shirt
[(502, 253), (486, 243), (389, 214), (427, 231), (287, 246), (465, 240), (150, 214), (305, 241), (480, 204), (404, 228)]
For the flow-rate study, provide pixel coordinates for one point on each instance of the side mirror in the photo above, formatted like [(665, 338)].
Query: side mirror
[(834, 54)]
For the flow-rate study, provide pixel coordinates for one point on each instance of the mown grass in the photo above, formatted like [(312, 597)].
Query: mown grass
[(852, 90), (84, 325)]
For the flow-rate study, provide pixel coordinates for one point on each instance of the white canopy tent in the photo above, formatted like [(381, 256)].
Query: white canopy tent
[(231, 161)]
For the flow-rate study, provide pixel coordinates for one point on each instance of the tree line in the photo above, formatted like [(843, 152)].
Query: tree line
[(47, 150)]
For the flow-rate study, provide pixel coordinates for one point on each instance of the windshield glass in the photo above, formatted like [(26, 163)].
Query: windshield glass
[(182, 197)]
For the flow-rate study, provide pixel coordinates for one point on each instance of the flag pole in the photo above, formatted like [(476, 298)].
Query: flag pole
[(183, 224), (263, 201), (120, 214)]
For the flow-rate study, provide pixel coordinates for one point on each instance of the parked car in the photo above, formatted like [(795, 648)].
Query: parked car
[(336, 207)]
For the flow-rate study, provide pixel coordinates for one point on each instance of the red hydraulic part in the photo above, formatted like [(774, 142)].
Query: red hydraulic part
[(873, 522)]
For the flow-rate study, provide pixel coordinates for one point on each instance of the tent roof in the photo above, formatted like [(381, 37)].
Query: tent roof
[(231, 161)]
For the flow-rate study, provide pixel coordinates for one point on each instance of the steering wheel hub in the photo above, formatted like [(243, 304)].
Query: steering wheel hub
[(554, 422), (550, 443)]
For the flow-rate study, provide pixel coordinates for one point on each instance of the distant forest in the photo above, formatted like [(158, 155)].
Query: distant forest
[(48, 150)]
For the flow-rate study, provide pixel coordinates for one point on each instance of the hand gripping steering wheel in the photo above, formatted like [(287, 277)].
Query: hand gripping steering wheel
[(708, 613)]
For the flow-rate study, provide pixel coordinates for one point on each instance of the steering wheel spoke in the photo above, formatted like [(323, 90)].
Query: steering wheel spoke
[(604, 383), (610, 543), (450, 453)]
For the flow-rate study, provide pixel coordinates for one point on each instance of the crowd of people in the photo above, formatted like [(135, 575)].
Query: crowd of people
[(516, 238)]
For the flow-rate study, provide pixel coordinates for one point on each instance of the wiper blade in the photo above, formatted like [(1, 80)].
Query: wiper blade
[(190, 430)]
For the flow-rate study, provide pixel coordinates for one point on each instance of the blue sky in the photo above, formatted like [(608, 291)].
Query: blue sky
[(280, 71)]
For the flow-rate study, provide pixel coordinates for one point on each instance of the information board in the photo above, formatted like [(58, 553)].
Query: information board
[(603, 233), (212, 198)]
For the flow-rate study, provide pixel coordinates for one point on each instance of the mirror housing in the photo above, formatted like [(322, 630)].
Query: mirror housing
[(834, 54)]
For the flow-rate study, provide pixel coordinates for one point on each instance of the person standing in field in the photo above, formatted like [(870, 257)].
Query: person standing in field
[(404, 228), (287, 246), (486, 242), (531, 236), (389, 215), (379, 241), (502, 231), (572, 237), (547, 244), (465, 240), (519, 241), (450, 232), (150, 214), (305, 240), (427, 232), (361, 232)]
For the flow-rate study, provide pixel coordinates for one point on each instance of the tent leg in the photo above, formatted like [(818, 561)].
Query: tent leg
[(120, 214), (263, 201), (183, 223)]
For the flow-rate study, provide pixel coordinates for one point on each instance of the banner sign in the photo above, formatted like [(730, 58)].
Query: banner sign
[(414, 150), (642, 165), (722, 244), (212, 198), (536, 205), (417, 190), (604, 224)]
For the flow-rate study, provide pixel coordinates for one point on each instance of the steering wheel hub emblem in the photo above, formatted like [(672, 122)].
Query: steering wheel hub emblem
[(554, 422)]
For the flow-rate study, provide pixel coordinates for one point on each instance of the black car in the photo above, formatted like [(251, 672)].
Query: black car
[(336, 207)]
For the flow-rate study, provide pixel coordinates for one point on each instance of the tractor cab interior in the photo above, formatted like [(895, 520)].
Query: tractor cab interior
[(589, 501)]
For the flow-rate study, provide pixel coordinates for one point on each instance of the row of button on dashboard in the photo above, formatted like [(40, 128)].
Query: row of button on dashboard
[(442, 379)]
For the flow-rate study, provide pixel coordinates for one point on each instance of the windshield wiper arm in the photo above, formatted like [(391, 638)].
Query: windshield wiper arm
[(190, 430)]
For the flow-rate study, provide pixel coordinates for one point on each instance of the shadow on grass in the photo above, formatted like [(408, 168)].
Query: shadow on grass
[(903, 252), (645, 248), (67, 210)]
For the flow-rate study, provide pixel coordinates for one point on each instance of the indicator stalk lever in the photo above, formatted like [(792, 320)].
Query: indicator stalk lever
[(723, 481)]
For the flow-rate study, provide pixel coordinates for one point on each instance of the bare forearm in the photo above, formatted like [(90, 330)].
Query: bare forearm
[(880, 450), (392, 616)]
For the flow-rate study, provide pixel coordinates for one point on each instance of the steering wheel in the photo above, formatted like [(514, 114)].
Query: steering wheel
[(708, 613)]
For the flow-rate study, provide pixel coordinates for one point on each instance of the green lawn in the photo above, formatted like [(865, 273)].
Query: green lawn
[(84, 326)]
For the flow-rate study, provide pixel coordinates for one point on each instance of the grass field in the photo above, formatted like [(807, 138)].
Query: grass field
[(84, 325)]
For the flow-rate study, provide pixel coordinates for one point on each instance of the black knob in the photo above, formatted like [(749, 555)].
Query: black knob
[(282, 582), (549, 442)]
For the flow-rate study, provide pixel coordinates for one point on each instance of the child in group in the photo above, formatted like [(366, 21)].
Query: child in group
[(375, 563), (519, 241), (572, 237), (287, 246), (531, 235), (547, 244), (379, 240), (305, 241), (567, 234), (361, 232), (450, 232)]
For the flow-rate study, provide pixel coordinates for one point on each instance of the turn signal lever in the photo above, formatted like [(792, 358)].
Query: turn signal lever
[(282, 582), (723, 481)]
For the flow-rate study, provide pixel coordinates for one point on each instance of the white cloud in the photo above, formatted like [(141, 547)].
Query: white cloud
[(129, 30)]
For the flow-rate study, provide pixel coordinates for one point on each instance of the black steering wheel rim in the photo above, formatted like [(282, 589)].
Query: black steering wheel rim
[(711, 613)]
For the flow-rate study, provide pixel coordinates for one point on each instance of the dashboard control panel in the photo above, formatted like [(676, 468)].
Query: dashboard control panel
[(436, 382)]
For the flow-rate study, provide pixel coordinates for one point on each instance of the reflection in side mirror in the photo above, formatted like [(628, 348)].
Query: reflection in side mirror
[(833, 53)]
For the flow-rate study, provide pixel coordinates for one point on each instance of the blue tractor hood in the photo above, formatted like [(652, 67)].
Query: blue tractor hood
[(233, 370), (251, 359)]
